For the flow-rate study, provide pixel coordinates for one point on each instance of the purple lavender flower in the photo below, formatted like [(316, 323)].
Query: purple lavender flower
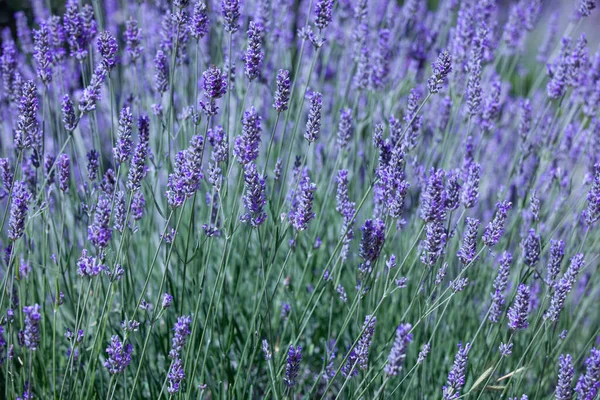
[(456, 376), (119, 355), (99, 232), (559, 72), (364, 343), (91, 93), (433, 203), (199, 22), (514, 30), (313, 125), (133, 40), (293, 365), (137, 171), (122, 151), (108, 47), (77, 27), (563, 287), (505, 349), (266, 350), (215, 83), (466, 254), (167, 300), (43, 54), (470, 193), (345, 129), (373, 237), (453, 190), (64, 172), (8, 65), (18, 210), (182, 331), (161, 72), (517, 314), (500, 284), (93, 161), (435, 240), (495, 228), (69, 118), (247, 144), (592, 213), (474, 65), (586, 7), (185, 181), (557, 252), (491, 105), (301, 210), (412, 120), (230, 11), (282, 94), (363, 69), (589, 383), (531, 247), (254, 54), (31, 333), (119, 211), (440, 71), (23, 32), (255, 197), (137, 205), (398, 351), (88, 266), (381, 60), (176, 376), (423, 353), (323, 13), (6, 173), (564, 388), (27, 130)]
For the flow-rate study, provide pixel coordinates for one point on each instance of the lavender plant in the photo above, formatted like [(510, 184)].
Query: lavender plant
[(308, 199)]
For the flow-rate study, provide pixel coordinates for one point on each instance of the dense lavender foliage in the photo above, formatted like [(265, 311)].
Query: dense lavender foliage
[(303, 199)]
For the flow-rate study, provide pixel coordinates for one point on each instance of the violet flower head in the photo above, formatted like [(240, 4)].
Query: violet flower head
[(301, 210), (91, 93), (6, 173), (532, 248), (176, 376), (18, 210), (566, 372), (254, 53), (100, 232), (255, 197), (323, 13), (230, 11), (586, 7), (557, 253), (108, 47), (364, 342), (266, 349), (282, 93), (27, 132), (373, 237), (435, 240), (475, 70), (119, 355), (588, 384), (247, 144), (345, 128), (440, 71), (505, 349), (43, 54), (215, 82), (495, 228), (563, 287), (137, 171), (93, 161), (433, 203), (161, 72), (23, 32), (466, 253), (182, 331), (456, 376), (412, 119), (167, 300), (31, 332), (69, 118), (470, 193), (122, 151), (559, 71), (592, 212), (313, 125), (293, 365), (398, 351), (453, 190), (88, 266), (517, 314), (64, 172), (133, 40), (198, 24), (500, 284), (119, 211)]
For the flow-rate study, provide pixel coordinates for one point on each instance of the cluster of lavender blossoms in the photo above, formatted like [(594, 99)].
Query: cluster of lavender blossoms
[(309, 199)]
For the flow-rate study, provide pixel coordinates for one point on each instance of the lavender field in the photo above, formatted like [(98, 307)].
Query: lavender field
[(300, 199)]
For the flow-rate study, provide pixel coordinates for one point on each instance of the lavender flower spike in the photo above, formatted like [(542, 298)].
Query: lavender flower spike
[(456, 377), (18, 210), (293, 366), (247, 144), (254, 53), (440, 71), (500, 284), (495, 228), (398, 352), (255, 197), (466, 254), (564, 389), (31, 333), (517, 314), (588, 384), (313, 125), (119, 355), (282, 94)]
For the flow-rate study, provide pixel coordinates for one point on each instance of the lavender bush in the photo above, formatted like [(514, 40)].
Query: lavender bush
[(310, 199)]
